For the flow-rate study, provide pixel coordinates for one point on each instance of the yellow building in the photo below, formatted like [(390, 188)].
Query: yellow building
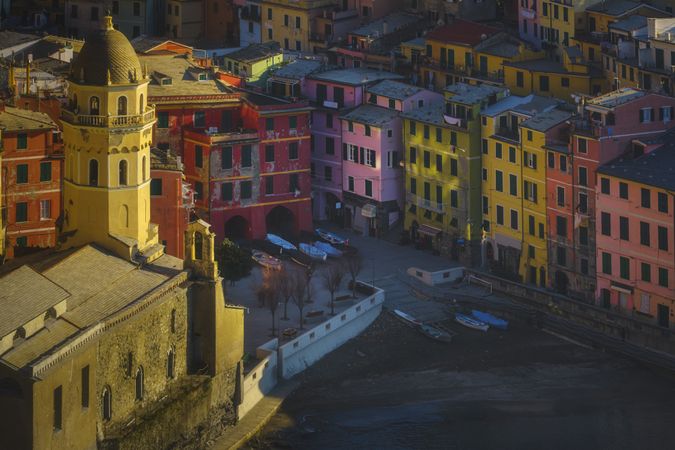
[(443, 170), (602, 14), (2, 211), (503, 179), (289, 22), (108, 129), (254, 61), (549, 78)]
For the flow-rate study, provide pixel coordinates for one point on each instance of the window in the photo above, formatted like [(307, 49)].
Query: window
[(170, 364), (551, 160), (226, 158), (426, 132), (269, 124), (439, 135), (513, 185), (583, 203), (329, 120), (427, 159), (199, 190), (390, 133), (350, 184), (269, 185), (350, 126), (245, 189), (122, 106), (328, 173), (392, 103), (269, 13), (582, 145), (413, 186), (604, 186), (624, 230), (439, 163), (584, 266), (73, 11), (454, 199), (45, 209), (486, 205), (663, 277), (530, 225), (339, 96), (22, 173), (560, 195), (498, 150), (485, 174), (663, 238), (624, 268), (269, 153), (246, 160), (143, 172), (520, 82), (583, 235), (606, 223), (561, 226), (162, 119), (122, 176), (200, 119), (370, 158), (286, 20), (156, 186), (583, 176), (499, 181), (606, 263), (58, 408), (453, 167), (500, 215), (623, 190), (21, 141), (541, 231), (512, 154), (93, 172), (529, 135), (514, 219), (645, 272), (293, 122), (293, 183), (369, 188), (137, 9), (564, 81), (484, 143), (199, 156), (563, 163), (646, 115), (644, 234), (84, 377), (297, 22), (663, 202), (139, 384), (21, 212), (543, 83), (93, 14), (453, 138), (226, 192), (321, 95), (293, 150), (645, 198)]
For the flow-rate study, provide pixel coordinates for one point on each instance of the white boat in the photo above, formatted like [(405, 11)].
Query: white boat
[(266, 260), (276, 240), (329, 249), (331, 237), (407, 318), (470, 322), (313, 252)]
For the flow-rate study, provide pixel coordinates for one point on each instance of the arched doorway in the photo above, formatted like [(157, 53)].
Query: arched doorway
[(280, 220), (561, 282), (332, 212), (237, 228)]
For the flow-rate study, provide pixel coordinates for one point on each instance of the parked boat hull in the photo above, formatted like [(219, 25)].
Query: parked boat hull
[(470, 322)]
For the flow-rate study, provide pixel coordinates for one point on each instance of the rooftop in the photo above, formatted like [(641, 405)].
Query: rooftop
[(629, 24), (656, 168), (255, 52), (508, 47), (12, 38), (547, 65), (392, 23), (16, 119), (145, 44), (617, 8), (431, 114), (419, 42), (546, 120), (468, 94), (298, 69), (371, 115), (616, 98), (528, 105), (462, 32), (355, 77), (394, 89), (181, 71), (164, 159)]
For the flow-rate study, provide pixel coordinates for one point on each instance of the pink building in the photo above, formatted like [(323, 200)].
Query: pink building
[(636, 233), (333, 92), (372, 147), (605, 130)]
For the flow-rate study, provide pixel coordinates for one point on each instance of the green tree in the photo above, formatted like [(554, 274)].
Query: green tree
[(234, 262)]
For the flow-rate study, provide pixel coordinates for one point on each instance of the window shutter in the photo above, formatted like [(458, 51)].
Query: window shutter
[(362, 159), (374, 158), (661, 113), (344, 152), (534, 192), (642, 116)]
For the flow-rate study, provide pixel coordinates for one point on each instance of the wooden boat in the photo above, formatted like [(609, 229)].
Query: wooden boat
[(491, 320), (266, 260), (329, 249), (435, 333), (313, 252), (407, 318), (284, 244), (331, 237), (470, 322)]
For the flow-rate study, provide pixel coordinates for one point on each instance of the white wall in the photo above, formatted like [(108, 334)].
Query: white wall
[(262, 379), (438, 277)]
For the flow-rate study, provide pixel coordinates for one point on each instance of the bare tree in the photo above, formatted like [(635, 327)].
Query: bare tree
[(285, 287), (300, 293), (309, 274), (332, 279), (354, 264), (268, 294)]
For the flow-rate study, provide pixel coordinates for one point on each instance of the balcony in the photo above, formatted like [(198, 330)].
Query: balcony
[(109, 121), (212, 136), (508, 134), (421, 202)]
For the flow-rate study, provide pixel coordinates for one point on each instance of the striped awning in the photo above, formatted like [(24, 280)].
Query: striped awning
[(429, 230)]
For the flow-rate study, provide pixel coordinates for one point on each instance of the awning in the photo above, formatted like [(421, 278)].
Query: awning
[(429, 230), (621, 287), (369, 210)]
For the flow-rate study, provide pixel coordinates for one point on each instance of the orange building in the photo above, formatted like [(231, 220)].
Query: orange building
[(31, 175)]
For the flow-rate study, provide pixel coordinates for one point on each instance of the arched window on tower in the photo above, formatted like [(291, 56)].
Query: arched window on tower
[(94, 107), (122, 106), (141, 106), (107, 404), (144, 176), (123, 173), (198, 245), (170, 364), (93, 172), (139, 384)]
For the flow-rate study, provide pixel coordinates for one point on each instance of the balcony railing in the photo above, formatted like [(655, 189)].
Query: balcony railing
[(109, 121), (507, 133), (425, 203)]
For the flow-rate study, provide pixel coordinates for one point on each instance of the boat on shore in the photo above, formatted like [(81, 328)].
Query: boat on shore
[(283, 243), (329, 249), (491, 320), (435, 333), (313, 252), (331, 237), (407, 318), (266, 260), (470, 322)]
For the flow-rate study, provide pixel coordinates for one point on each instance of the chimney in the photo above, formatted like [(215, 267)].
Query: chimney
[(651, 27), (385, 27)]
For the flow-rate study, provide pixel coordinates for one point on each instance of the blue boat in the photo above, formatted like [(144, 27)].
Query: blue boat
[(274, 239), (331, 237), (329, 249), (488, 318), (313, 252), (470, 322)]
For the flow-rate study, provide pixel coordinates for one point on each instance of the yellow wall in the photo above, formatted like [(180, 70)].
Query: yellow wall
[(254, 70), (2, 223), (531, 83), (280, 32), (550, 21)]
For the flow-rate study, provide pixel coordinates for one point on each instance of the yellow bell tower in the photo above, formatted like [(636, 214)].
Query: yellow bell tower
[(107, 132)]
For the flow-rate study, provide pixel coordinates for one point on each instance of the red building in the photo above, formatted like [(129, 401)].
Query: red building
[(255, 180), (171, 200), (605, 130), (32, 163)]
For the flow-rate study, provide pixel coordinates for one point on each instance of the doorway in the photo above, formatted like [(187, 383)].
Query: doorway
[(663, 316)]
